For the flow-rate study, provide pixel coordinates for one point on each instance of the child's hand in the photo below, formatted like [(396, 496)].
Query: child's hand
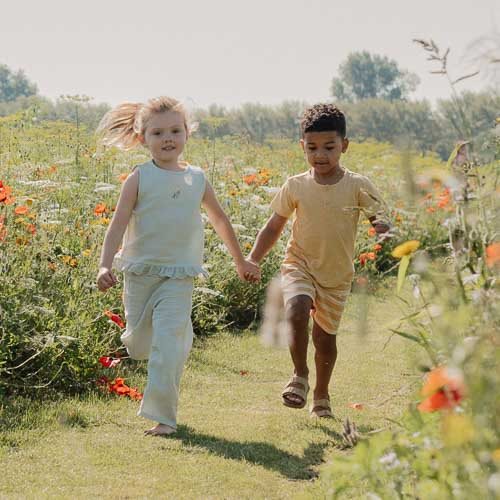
[(248, 271), (105, 279)]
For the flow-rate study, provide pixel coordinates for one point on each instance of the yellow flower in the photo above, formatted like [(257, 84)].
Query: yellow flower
[(496, 455), (406, 248), (87, 252), (457, 429)]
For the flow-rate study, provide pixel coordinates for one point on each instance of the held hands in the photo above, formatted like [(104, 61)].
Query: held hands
[(248, 271), (105, 279)]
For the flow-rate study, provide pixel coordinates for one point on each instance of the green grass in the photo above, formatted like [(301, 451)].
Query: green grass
[(235, 439)]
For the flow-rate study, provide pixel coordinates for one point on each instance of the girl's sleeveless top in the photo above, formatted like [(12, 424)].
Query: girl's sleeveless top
[(164, 236)]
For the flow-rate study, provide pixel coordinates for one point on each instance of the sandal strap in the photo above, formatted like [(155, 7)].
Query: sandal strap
[(295, 390), (299, 380), (322, 413), (321, 408)]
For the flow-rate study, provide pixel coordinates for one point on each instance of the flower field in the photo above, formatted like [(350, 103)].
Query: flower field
[(58, 334)]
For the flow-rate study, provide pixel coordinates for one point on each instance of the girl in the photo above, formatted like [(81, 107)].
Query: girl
[(159, 213)]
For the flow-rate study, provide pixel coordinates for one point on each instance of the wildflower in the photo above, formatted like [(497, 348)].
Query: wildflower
[(69, 261), (5, 194), (100, 209), (443, 389), (372, 232), (115, 318), (250, 179), (108, 362), (123, 177), (31, 228), (21, 210), (406, 248), (364, 257), (377, 247), (356, 406), (493, 254)]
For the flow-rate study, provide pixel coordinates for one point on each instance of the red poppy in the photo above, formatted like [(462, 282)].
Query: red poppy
[(115, 318), (442, 390), (108, 362)]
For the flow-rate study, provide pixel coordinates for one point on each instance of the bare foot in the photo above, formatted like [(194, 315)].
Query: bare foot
[(160, 430)]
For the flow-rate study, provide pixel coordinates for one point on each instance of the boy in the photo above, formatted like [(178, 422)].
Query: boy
[(317, 270)]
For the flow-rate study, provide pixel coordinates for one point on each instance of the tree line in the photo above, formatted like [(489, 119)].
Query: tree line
[(372, 90)]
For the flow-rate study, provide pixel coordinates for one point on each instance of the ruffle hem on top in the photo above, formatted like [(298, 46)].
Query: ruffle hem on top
[(174, 272)]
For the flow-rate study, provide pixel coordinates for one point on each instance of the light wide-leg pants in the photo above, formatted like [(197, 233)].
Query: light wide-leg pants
[(158, 315)]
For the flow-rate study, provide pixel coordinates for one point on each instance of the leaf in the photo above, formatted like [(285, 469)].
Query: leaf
[(408, 336), (403, 266)]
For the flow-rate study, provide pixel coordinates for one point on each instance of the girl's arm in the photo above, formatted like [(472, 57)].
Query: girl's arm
[(267, 237), (219, 220), (116, 229)]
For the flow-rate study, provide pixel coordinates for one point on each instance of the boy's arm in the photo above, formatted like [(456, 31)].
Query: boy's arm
[(267, 237), (222, 225), (116, 229)]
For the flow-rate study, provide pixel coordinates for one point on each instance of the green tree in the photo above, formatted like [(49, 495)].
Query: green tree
[(367, 76), (14, 85)]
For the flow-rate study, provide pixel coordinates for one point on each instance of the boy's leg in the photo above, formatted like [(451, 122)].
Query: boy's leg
[(297, 313), (325, 356)]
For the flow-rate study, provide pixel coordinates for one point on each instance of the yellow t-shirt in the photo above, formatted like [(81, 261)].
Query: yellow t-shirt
[(325, 223)]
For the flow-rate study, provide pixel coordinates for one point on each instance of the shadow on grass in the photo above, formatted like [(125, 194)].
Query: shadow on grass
[(259, 453)]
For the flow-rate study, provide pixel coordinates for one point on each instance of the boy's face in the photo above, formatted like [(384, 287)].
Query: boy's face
[(323, 150)]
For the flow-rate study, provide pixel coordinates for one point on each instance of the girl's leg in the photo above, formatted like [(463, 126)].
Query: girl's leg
[(172, 340), (325, 356), (297, 312)]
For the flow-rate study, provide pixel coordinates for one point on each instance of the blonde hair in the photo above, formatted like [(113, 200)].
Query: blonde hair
[(122, 126)]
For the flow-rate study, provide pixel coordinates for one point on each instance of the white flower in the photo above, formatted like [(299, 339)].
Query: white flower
[(390, 460), (239, 227), (102, 187), (208, 291)]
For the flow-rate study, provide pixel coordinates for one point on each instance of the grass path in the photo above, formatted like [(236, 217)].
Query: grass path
[(235, 439)]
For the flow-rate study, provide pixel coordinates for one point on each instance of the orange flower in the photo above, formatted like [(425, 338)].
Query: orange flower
[(31, 228), (123, 177), (442, 390), (5, 194), (100, 209), (372, 232), (431, 209), (356, 406), (3, 229), (21, 210), (115, 318), (364, 257), (377, 247), (493, 254), (250, 179)]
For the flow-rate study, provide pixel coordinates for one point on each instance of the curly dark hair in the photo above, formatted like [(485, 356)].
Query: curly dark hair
[(322, 118)]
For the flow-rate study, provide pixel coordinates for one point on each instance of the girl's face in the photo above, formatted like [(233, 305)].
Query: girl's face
[(165, 136)]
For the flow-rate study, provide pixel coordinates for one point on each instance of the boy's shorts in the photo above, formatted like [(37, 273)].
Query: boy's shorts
[(328, 303)]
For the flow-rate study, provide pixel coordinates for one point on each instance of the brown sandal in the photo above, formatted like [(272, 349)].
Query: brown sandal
[(321, 408), (291, 389)]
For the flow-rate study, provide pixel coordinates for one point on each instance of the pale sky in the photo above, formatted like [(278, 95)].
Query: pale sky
[(229, 52)]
